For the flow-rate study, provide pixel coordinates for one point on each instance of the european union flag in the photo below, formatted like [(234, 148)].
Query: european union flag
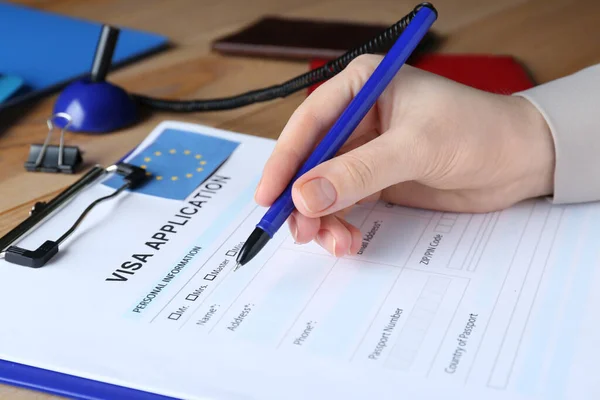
[(178, 162)]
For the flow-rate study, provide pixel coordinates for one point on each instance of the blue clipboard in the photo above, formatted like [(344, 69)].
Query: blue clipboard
[(48, 51), (70, 386)]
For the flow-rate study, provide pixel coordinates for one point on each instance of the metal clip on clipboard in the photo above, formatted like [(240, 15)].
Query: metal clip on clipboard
[(133, 177), (52, 158)]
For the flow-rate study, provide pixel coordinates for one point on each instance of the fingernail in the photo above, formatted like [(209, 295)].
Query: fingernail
[(317, 194), (318, 239), (293, 228), (327, 240)]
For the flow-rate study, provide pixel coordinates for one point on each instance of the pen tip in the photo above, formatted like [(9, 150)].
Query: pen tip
[(237, 265)]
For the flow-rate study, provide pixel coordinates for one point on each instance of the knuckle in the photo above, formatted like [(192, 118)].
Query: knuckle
[(363, 66), (364, 60), (290, 154), (284, 152), (307, 116), (360, 172)]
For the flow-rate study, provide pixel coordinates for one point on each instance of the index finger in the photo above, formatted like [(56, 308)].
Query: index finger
[(310, 122)]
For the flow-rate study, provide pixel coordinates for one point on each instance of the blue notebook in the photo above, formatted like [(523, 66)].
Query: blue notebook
[(47, 50)]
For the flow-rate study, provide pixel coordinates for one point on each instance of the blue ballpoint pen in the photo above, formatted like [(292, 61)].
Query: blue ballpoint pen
[(389, 66)]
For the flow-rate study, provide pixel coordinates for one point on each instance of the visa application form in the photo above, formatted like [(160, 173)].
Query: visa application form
[(435, 305)]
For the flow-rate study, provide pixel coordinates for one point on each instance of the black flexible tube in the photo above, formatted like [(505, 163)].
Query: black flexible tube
[(303, 81)]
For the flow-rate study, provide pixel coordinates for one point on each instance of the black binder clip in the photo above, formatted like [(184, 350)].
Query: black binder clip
[(52, 158)]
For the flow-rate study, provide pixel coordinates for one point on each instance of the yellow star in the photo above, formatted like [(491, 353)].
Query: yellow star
[(188, 175), (199, 169), (159, 178), (148, 174), (147, 159), (157, 153), (202, 162), (174, 178), (198, 156), (172, 151), (186, 152), (142, 166)]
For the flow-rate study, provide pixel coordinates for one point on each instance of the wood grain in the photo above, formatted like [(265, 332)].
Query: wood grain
[(551, 38)]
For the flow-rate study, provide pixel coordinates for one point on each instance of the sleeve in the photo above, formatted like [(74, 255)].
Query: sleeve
[(571, 107)]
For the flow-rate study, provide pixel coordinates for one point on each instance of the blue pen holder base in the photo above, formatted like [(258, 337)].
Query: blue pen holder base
[(95, 107)]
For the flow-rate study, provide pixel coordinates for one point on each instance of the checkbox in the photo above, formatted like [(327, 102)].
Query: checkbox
[(442, 229), (191, 297), (174, 316)]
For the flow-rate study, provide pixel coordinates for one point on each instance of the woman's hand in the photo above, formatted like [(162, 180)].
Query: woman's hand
[(428, 142)]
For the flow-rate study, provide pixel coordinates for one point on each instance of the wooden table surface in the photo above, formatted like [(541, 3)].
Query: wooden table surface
[(551, 38)]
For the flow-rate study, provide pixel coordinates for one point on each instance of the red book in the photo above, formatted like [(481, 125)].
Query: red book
[(497, 74)]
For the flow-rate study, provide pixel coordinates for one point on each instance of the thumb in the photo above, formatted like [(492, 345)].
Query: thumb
[(348, 178)]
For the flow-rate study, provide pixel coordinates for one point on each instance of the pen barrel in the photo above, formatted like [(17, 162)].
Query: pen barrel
[(360, 105), (278, 213)]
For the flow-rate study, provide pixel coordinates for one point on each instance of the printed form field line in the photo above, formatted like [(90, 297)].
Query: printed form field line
[(506, 376), (202, 266), (487, 234), (446, 223), (458, 304), (365, 219), (199, 306), (487, 323), (543, 326), (412, 335), (408, 214), (390, 291), (572, 314), (331, 269), (432, 272), (310, 299), (483, 242), (258, 271), (462, 236), (473, 244)]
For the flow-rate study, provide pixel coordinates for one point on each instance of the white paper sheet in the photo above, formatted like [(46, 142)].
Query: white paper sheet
[(436, 305)]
